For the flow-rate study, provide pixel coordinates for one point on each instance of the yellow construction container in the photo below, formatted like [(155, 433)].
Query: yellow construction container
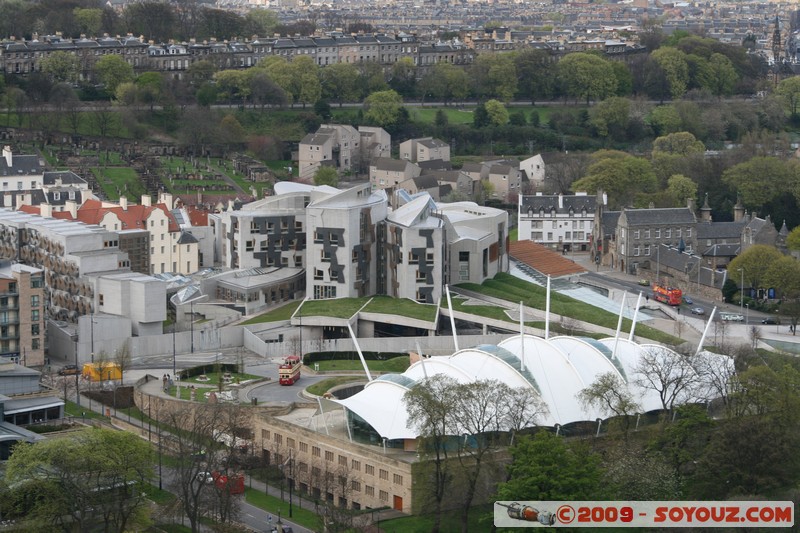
[(101, 371)]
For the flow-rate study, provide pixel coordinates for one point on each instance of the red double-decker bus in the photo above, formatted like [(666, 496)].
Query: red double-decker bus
[(667, 295), (289, 370)]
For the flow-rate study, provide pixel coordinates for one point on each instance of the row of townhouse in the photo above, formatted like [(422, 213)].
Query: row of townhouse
[(352, 243), (26, 56)]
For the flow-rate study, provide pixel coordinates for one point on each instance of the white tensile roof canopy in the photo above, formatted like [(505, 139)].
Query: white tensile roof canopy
[(556, 369)]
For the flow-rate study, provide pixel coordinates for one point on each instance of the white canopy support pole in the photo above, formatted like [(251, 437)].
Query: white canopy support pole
[(349, 435), (619, 324), (358, 349), (422, 361), (635, 316), (522, 336), (452, 318), (322, 411), (705, 331), (547, 311)]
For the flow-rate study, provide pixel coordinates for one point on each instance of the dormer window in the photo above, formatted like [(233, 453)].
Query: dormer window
[(56, 196)]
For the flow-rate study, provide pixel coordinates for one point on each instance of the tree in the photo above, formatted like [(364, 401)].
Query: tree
[(498, 114), (719, 75), (783, 274), (383, 108), (480, 117), (89, 20), (789, 90), (97, 474), (610, 117), (404, 77), (673, 62), (679, 188), (307, 75), (755, 261), (621, 175), (609, 395), (339, 83), (544, 467), (61, 67), (326, 175), (680, 143), (430, 411), (261, 22), (587, 76), (670, 374), (536, 74), (111, 70), (762, 179)]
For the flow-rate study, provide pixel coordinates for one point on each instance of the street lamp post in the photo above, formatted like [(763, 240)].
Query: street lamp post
[(91, 317), (174, 324), (77, 375), (291, 482), (741, 296), (747, 315), (191, 322)]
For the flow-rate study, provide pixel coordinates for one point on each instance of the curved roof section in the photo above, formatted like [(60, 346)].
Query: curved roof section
[(555, 369)]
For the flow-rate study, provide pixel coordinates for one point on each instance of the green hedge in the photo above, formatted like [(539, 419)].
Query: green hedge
[(207, 369)]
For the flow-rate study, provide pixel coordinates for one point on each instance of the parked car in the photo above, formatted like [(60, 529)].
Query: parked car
[(771, 320), (69, 370), (698, 311), (688, 300), (643, 282)]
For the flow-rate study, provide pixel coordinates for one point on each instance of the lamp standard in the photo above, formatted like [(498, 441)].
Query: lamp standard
[(191, 322), (747, 315), (291, 482), (91, 317), (741, 296), (174, 325), (77, 375)]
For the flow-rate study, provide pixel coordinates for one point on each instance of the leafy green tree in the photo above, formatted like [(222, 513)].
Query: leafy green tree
[(545, 467), (150, 86), (610, 117), (89, 20), (621, 175), (536, 74), (673, 62), (340, 83), (234, 84), (309, 88), (755, 261), (665, 119), (729, 290), (498, 114), (719, 75), (98, 472), (587, 76), (679, 188), (383, 108), (624, 78), (260, 22), (111, 70), (684, 440), (200, 72), (326, 175), (762, 179), (680, 143), (445, 82), (789, 90), (610, 396), (494, 75), (784, 275), (480, 117), (404, 77), (371, 77), (793, 239), (61, 67)]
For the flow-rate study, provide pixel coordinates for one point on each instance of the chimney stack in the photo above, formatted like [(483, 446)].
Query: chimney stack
[(46, 210), (146, 200), (7, 155), (72, 207), (123, 202)]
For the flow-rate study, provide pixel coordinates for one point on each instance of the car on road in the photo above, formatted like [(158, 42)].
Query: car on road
[(731, 317), (643, 282), (771, 320), (69, 370), (698, 311), (688, 300)]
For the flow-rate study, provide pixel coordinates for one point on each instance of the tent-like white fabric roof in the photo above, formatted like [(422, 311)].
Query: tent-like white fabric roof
[(556, 369)]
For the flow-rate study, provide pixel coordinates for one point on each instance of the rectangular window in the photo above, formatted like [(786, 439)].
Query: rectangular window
[(329, 456), (356, 486), (646, 249), (278, 439), (398, 479), (265, 434), (35, 315), (384, 496), (342, 460), (34, 344), (304, 447), (636, 234), (688, 232), (646, 232), (369, 469), (315, 451), (369, 491), (355, 465), (325, 256), (384, 474), (35, 300), (290, 443), (658, 233), (678, 232), (668, 233), (636, 250)]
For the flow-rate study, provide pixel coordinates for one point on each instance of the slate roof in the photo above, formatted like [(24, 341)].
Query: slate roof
[(720, 230), (389, 164), (548, 202), (723, 250), (426, 182), (435, 164), (609, 222), (67, 177), (659, 216)]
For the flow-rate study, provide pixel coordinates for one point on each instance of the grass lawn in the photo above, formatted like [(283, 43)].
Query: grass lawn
[(116, 181), (507, 287), (305, 517), (213, 378), (402, 307), (395, 364), (455, 115), (337, 308), (480, 519), (489, 311), (321, 387), (73, 409), (284, 312), (513, 234), (159, 496)]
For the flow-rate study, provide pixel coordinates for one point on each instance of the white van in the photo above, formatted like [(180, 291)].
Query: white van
[(731, 317)]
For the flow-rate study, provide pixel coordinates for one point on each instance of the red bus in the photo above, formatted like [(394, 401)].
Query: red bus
[(667, 295), (289, 370)]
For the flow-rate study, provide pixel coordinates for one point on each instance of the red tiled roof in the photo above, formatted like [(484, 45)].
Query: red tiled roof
[(134, 217), (30, 209), (544, 259), (197, 217)]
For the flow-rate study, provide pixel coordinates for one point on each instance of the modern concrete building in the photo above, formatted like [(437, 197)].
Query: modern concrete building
[(477, 247), (22, 314), (424, 149), (385, 173), (342, 147)]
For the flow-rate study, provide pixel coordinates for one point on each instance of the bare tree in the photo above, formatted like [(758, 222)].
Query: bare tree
[(609, 395), (560, 174), (668, 373), (103, 119), (755, 336), (521, 409)]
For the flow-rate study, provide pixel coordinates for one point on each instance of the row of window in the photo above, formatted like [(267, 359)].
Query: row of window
[(667, 232), (342, 460), (645, 249), (576, 224), (568, 236)]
